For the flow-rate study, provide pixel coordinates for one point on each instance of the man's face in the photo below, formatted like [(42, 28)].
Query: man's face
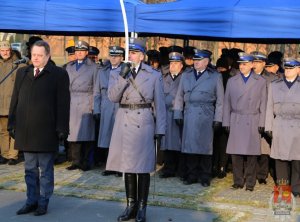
[(175, 67), (291, 73), (81, 54), (39, 57), (245, 67), (115, 60), (272, 69), (258, 66), (71, 57), (200, 65), (5, 53), (189, 61), (136, 57)]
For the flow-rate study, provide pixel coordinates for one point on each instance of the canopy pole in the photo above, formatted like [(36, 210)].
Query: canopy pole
[(125, 30)]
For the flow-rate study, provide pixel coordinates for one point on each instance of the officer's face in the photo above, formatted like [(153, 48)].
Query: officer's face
[(189, 61), (175, 67), (245, 67), (115, 60), (258, 66), (272, 69), (291, 73), (5, 53), (136, 57), (39, 57), (80, 55), (200, 65)]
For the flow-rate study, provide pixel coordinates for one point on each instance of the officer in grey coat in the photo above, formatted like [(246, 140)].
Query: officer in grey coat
[(82, 73), (283, 124), (104, 109), (263, 162), (244, 118), (132, 144), (171, 144), (198, 106)]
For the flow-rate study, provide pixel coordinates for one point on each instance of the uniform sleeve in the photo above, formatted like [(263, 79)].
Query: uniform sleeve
[(95, 74), (159, 104), (116, 87), (178, 103), (227, 106), (97, 94), (263, 104), (269, 110), (220, 99), (63, 102)]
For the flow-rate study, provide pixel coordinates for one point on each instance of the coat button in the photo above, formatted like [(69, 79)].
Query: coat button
[(125, 124), (126, 98), (138, 126), (141, 100), (138, 113)]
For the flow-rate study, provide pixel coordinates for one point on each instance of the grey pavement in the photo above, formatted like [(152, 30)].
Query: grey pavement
[(90, 195)]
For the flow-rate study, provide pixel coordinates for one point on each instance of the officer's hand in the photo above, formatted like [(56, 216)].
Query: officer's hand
[(217, 125), (11, 133), (179, 122), (62, 137), (125, 69), (227, 129), (261, 130), (96, 117), (269, 134)]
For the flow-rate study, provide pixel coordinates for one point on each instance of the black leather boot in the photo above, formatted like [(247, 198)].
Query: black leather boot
[(143, 191), (131, 195)]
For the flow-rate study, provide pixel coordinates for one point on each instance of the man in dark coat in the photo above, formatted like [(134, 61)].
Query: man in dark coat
[(38, 120)]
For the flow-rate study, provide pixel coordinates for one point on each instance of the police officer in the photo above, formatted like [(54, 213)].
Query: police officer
[(132, 146), (172, 140), (198, 105), (153, 58), (244, 118), (283, 124), (188, 53), (104, 109), (93, 54), (262, 167), (82, 74)]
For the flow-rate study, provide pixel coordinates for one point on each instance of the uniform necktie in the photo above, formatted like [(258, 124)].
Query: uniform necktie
[(133, 71), (37, 72)]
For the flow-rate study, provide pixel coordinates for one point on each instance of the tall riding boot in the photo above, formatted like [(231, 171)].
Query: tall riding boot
[(143, 191), (131, 195)]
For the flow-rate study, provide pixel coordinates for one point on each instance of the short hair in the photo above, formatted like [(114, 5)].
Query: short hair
[(42, 43)]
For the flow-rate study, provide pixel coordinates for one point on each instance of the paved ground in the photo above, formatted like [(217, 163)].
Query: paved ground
[(216, 203)]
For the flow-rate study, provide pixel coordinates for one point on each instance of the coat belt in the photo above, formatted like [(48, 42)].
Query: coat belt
[(245, 112), (136, 106)]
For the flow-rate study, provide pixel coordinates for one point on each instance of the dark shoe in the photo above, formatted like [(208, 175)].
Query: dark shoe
[(40, 211), (237, 186), (189, 181), (205, 183), (85, 167), (118, 174), (73, 167), (12, 162), (250, 188), (166, 175), (3, 160), (222, 174), (141, 214), (262, 181), (27, 209), (107, 173), (129, 212), (296, 194)]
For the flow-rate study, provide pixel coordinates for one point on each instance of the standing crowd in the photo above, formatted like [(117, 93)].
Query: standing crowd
[(241, 115)]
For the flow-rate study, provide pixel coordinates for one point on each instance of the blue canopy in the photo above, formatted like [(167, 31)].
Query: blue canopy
[(259, 19), (67, 16)]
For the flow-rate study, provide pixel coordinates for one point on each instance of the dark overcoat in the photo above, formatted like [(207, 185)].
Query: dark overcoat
[(244, 111), (40, 108)]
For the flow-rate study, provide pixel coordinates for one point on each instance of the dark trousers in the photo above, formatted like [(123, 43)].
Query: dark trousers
[(81, 152), (244, 166), (289, 171), (220, 158), (39, 177), (198, 167), (172, 162), (262, 166)]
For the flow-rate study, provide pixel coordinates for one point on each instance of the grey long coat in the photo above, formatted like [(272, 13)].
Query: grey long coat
[(244, 111), (82, 125), (172, 139), (284, 103), (132, 144), (199, 103), (265, 147), (104, 106)]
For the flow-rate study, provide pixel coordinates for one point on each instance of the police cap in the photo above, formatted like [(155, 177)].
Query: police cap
[(245, 57), (259, 56), (201, 54), (93, 50), (116, 51), (81, 46), (176, 57), (136, 44)]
